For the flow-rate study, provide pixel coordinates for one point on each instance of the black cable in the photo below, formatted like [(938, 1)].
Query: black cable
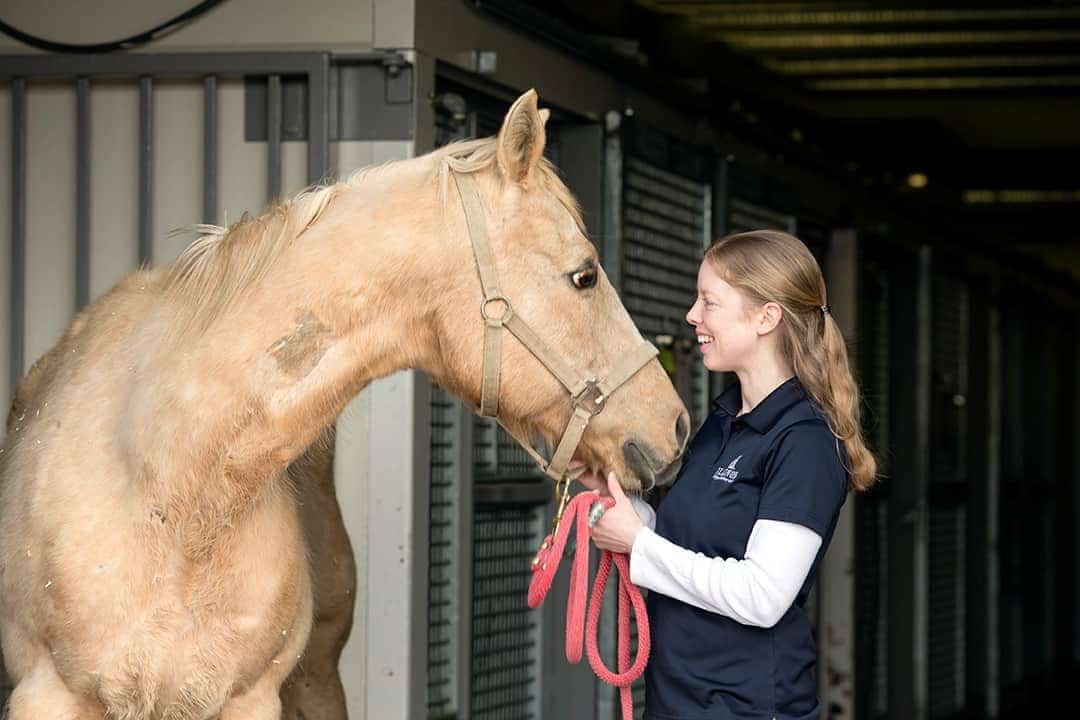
[(126, 44)]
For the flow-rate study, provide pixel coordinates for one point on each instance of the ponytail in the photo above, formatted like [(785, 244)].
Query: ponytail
[(772, 266)]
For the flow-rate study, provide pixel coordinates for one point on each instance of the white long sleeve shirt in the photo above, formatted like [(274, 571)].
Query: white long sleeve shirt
[(754, 590)]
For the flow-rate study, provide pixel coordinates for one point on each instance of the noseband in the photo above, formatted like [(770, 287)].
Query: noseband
[(587, 395)]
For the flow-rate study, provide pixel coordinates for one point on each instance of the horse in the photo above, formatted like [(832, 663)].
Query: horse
[(157, 559)]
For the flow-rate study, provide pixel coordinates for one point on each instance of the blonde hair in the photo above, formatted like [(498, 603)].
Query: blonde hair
[(772, 266)]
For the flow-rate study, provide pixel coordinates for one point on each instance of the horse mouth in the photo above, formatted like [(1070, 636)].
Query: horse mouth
[(644, 466)]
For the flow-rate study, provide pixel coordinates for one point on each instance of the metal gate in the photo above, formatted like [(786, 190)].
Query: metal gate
[(662, 225), (109, 153), (666, 225), (872, 508), (488, 511), (948, 496)]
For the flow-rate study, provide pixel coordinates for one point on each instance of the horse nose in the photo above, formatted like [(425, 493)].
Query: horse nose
[(682, 430)]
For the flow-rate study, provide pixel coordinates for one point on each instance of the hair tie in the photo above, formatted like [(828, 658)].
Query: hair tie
[(824, 311)]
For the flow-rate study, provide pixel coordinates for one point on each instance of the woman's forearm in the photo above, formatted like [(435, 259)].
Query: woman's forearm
[(756, 590)]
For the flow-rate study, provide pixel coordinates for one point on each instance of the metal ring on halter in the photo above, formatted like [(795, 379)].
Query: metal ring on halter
[(502, 319), (595, 511), (591, 399)]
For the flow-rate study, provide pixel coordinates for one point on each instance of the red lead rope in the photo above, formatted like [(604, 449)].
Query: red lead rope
[(546, 565)]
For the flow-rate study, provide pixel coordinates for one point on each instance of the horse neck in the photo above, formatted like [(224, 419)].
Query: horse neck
[(347, 302)]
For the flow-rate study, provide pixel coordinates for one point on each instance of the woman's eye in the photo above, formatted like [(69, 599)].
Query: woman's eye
[(583, 279)]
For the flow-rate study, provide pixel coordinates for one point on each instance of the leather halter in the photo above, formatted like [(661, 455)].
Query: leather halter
[(587, 396)]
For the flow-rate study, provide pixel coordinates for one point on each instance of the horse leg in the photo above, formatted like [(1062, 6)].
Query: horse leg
[(43, 694), (314, 690), (261, 702)]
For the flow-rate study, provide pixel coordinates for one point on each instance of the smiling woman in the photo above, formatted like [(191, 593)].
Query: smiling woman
[(734, 548)]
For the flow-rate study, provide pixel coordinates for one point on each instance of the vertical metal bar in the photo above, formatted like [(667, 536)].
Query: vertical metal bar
[(82, 192), (273, 138), (18, 232), (319, 119), (908, 420), (921, 476), (210, 150), (611, 248), (466, 478), (992, 497), (146, 170)]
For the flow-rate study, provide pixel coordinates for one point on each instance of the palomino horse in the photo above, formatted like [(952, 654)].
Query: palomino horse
[(153, 546)]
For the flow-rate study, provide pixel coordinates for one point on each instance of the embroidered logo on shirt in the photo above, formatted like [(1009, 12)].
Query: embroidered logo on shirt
[(727, 474)]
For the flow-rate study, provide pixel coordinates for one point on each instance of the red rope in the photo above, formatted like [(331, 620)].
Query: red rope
[(547, 564)]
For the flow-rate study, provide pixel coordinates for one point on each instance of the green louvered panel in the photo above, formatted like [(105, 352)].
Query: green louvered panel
[(506, 642), (666, 219), (443, 554)]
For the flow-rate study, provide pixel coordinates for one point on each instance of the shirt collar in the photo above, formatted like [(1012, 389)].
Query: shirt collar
[(768, 411)]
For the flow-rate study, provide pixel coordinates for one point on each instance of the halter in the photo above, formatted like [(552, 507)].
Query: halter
[(587, 396)]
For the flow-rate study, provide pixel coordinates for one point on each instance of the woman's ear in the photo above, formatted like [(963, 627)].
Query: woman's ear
[(771, 315)]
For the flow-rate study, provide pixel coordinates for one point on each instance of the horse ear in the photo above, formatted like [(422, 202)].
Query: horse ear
[(522, 138)]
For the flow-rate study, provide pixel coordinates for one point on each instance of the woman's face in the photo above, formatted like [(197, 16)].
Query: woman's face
[(726, 332)]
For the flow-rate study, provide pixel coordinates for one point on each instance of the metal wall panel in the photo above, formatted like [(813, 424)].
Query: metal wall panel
[(444, 611), (948, 495), (114, 118), (506, 633), (666, 225), (872, 509), (178, 172), (50, 215), (6, 194), (504, 678)]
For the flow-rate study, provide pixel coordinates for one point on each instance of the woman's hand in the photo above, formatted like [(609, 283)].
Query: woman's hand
[(619, 525)]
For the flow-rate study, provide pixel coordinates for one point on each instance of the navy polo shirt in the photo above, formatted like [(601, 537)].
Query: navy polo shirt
[(778, 462)]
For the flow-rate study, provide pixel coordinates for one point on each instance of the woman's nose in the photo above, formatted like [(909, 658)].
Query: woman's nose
[(691, 314)]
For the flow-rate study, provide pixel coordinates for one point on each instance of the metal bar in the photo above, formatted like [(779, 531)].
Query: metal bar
[(210, 149), (921, 475), (146, 170), (172, 64), (82, 193), (18, 232), (273, 138), (612, 223), (466, 521), (318, 118), (908, 420)]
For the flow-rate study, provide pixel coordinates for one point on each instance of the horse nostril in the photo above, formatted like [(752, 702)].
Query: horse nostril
[(682, 430), (638, 462)]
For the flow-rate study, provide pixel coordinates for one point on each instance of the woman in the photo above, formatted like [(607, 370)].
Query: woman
[(733, 550)]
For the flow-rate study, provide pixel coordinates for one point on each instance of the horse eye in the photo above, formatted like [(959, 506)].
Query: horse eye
[(583, 279)]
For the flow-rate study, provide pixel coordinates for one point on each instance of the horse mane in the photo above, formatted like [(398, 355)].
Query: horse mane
[(221, 263)]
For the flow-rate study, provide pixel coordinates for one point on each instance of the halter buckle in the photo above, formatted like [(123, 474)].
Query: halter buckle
[(592, 399), (501, 319)]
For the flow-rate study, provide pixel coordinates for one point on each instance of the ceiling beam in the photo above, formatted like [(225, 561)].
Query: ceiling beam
[(879, 65), (944, 83), (826, 41), (713, 17)]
